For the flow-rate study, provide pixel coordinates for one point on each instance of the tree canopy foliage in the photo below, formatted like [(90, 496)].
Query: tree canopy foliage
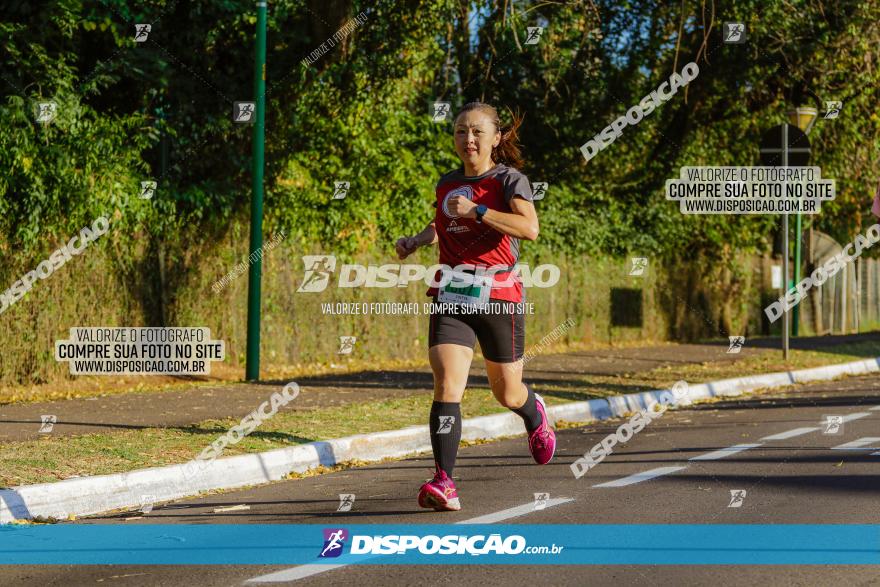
[(162, 109)]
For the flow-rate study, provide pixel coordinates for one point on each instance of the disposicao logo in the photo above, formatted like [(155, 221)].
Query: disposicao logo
[(334, 541), (452, 544), (320, 268)]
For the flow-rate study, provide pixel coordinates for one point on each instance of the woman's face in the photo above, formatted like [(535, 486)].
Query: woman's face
[(475, 136)]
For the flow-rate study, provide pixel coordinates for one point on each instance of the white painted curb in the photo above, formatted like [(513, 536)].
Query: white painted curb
[(102, 493)]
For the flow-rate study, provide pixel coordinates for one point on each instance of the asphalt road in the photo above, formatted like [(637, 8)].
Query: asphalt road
[(789, 468)]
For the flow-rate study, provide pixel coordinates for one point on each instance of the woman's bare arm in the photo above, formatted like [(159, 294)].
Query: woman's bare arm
[(521, 223), (427, 236)]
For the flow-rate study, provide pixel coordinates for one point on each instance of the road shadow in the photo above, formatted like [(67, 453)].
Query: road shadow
[(830, 343)]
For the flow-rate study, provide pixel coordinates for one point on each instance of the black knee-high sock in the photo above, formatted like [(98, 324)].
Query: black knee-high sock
[(529, 411), (445, 426)]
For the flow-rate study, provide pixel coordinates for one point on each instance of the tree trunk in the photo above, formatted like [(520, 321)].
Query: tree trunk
[(325, 18)]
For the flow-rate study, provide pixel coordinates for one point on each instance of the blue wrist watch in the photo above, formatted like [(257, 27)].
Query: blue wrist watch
[(481, 211)]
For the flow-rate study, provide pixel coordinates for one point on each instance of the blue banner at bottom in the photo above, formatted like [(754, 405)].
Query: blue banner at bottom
[(518, 544)]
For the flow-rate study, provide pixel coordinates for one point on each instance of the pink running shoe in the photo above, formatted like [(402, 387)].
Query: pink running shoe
[(439, 493), (542, 440)]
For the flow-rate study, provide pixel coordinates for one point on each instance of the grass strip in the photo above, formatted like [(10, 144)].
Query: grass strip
[(51, 459)]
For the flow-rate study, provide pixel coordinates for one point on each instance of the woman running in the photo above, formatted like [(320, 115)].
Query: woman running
[(484, 209)]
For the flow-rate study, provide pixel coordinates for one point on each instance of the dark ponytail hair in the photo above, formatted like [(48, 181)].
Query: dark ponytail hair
[(508, 150)]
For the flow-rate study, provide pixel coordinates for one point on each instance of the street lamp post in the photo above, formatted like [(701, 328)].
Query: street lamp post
[(785, 145), (802, 117)]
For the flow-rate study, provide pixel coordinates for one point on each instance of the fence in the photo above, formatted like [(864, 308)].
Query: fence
[(848, 302), (868, 314)]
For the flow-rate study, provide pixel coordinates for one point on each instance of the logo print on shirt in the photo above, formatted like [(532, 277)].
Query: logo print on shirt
[(466, 191)]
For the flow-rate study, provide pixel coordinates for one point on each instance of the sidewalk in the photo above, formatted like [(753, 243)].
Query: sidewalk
[(565, 373)]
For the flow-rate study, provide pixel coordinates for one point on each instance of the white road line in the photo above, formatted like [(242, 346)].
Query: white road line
[(639, 477), (294, 574), (875, 408), (861, 443), (802, 431), (303, 571), (790, 434), (724, 452)]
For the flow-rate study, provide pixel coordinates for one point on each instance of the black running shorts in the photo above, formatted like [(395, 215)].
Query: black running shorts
[(502, 333)]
